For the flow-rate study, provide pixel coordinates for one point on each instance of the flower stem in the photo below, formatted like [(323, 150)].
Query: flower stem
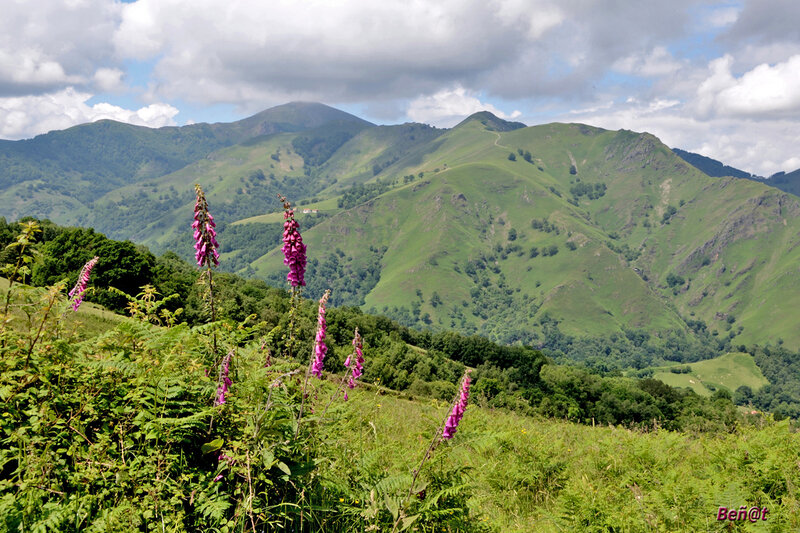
[(213, 311), (54, 290), (438, 437)]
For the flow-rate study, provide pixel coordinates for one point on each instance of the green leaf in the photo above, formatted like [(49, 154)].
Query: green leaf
[(285, 469), (408, 522), (268, 457), (392, 505), (212, 446)]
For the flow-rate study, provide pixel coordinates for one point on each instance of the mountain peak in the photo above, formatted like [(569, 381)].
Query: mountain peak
[(491, 122), (295, 116)]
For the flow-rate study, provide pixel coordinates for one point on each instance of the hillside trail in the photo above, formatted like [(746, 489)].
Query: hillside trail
[(496, 141)]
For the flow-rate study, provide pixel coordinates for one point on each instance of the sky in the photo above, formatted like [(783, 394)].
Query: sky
[(718, 78)]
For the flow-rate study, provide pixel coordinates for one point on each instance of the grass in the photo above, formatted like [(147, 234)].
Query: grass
[(87, 322), (729, 371), (328, 206), (528, 474)]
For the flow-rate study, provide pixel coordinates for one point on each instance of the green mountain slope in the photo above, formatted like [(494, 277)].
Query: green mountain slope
[(522, 234), (600, 232), (60, 174)]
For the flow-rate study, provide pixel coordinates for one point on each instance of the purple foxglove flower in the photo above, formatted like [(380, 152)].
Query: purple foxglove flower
[(355, 364), (320, 349), (83, 282), (222, 458), (224, 381), (205, 235), (451, 425), (294, 251)]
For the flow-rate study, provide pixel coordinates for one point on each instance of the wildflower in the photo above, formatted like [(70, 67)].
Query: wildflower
[(294, 251), (451, 425), (222, 458), (320, 349), (83, 281), (224, 381), (356, 366), (205, 235)]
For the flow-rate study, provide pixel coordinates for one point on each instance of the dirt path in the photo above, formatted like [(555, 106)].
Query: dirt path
[(496, 141)]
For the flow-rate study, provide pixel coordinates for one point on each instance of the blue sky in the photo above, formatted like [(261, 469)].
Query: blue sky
[(718, 78)]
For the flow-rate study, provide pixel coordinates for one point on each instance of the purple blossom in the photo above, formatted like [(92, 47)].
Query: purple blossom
[(83, 281), (224, 381), (294, 251), (356, 366), (451, 425), (205, 235), (222, 458), (320, 349)]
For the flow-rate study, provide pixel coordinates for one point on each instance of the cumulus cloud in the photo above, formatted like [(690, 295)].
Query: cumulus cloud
[(257, 53), (26, 116), (723, 16), (765, 21), (51, 44), (31, 68), (448, 107), (658, 62), (763, 92), (108, 79)]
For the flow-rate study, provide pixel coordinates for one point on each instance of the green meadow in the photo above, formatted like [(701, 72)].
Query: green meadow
[(729, 371)]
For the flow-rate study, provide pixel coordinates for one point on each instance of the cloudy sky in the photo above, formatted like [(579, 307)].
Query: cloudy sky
[(718, 78)]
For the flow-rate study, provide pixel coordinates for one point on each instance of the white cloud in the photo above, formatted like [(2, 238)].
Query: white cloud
[(30, 67), (255, 54), (723, 16), (108, 79), (659, 62), (765, 91), (49, 44), (26, 116), (538, 18), (449, 106)]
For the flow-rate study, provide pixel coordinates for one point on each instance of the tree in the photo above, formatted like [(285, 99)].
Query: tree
[(511, 156), (435, 299)]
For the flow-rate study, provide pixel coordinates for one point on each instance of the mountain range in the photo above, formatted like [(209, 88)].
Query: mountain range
[(489, 227)]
